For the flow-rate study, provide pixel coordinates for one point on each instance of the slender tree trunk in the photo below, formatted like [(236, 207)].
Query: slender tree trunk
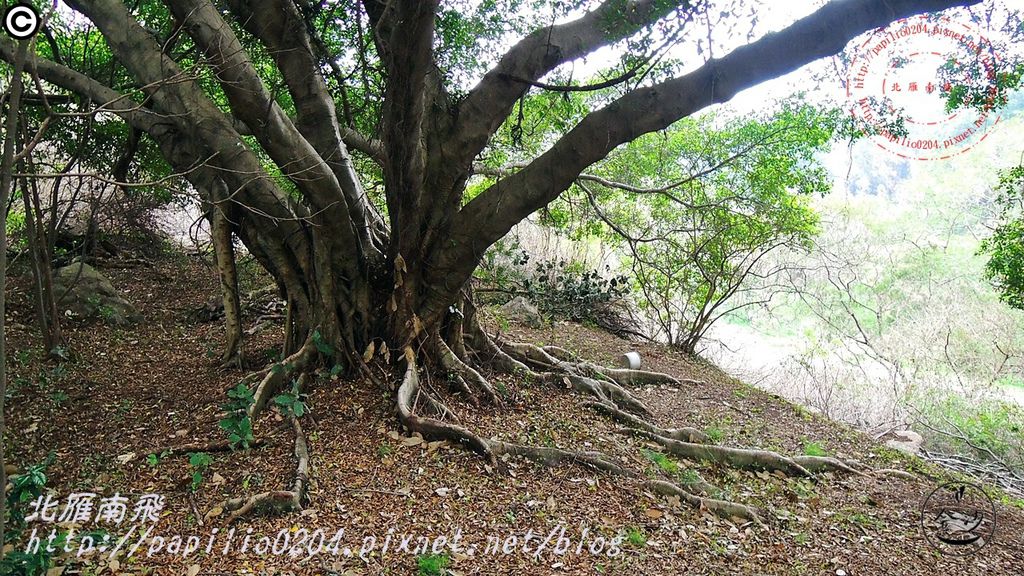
[(224, 253), (42, 276), (6, 179)]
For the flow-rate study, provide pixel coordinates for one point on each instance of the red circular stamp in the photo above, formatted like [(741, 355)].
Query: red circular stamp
[(899, 79)]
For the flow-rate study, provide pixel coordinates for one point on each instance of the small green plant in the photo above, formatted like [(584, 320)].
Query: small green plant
[(801, 538), (107, 312), (714, 433), (293, 402), (322, 345), (502, 389), (803, 412), (814, 449), (23, 357), (385, 450), (689, 476), (58, 397), (863, 520), (237, 423), (200, 462), (636, 537), (152, 460), (432, 564), (803, 488), (662, 461), (24, 488)]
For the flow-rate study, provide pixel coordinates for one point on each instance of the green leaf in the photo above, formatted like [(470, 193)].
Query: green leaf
[(321, 344)]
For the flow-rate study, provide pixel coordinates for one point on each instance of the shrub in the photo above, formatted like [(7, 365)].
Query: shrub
[(26, 487), (562, 289), (200, 462), (237, 423)]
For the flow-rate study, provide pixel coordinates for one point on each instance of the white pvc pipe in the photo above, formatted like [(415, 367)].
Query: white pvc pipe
[(630, 360)]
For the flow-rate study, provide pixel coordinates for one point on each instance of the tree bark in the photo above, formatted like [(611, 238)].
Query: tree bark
[(6, 181), (42, 275), (224, 254)]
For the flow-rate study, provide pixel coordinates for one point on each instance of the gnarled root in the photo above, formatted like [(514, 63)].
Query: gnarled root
[(278, 500), (277, 375), (680, 434), (825, 464), (605, 392), (484, 348), (469, 379), (742, 458), (722, 508), (608, 389), (492, 449), (547, 456), (627, 376), (621, 376), (587, 381), (215, 446), (431, 426)]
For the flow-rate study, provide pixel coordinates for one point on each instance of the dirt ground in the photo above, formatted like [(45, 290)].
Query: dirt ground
[(130, 392)]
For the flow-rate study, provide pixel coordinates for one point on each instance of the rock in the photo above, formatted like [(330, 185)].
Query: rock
[(905, 441), (521, 310), (86, 293)]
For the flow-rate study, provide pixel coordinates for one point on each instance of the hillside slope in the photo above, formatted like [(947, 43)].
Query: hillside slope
[(133, 391)]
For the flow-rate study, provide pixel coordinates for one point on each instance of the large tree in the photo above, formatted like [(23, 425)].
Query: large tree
[(248, 101)]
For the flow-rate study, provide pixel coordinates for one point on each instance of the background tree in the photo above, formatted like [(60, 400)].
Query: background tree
[(701, 208), (1005, 247)]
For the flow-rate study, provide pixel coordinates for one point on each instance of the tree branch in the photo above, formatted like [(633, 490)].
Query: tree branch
[(491, 215), (491, 100)]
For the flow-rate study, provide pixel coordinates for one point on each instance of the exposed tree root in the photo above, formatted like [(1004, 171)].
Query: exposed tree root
[(629, 377), (612, 404), (215, 446), (277, 500), (680, 434), (484, 347), (722, 508), (470, 379), (277, 375), (742, 458), (825, 464), (902, 474), (621, 376), (606, 392), (430, 426), (588, 381), (438, 407), (549, 457)]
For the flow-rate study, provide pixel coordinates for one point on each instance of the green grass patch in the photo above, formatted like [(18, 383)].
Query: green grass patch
[(662, 461), (636, 538), (432, 565), (814, 449)]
